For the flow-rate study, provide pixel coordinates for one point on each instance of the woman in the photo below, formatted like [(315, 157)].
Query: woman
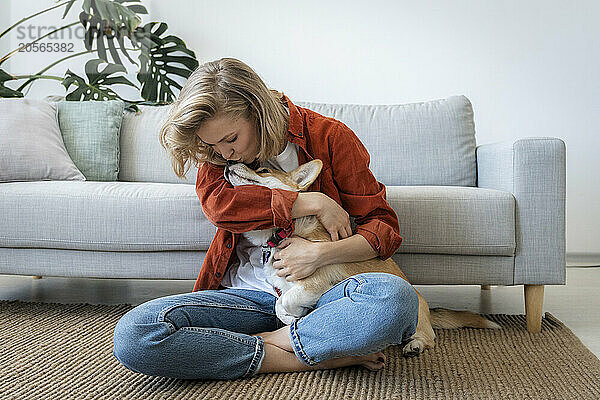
[(227, 327)]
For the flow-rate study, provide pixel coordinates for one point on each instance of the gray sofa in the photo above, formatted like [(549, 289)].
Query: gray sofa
[(492, 214)]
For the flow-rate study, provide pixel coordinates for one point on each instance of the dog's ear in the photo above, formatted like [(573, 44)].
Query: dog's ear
[(306, 174)]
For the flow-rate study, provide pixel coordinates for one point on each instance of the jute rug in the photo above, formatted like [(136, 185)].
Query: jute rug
[(64, 351)]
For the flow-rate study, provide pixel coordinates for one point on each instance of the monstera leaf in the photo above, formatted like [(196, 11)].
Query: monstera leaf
[(68, 6), (107, 23), (6, 91), (110, 20), (157, 62), (98, 81)]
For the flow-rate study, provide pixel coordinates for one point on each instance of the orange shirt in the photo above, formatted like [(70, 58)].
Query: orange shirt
[(345, 177)]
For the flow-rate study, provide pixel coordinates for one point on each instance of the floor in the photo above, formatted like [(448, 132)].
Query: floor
[(575, 304)]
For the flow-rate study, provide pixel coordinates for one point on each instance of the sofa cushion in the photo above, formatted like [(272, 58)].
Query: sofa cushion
[(31, 146), (454, 220), (427, 143), (143, 159), (128, 216), (109, 216), (90, 130)]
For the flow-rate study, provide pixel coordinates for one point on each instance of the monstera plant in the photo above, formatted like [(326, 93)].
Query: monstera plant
[(107, 25)]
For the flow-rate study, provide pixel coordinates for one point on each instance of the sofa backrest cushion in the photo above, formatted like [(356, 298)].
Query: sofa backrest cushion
[(427, 143), (143, 159)]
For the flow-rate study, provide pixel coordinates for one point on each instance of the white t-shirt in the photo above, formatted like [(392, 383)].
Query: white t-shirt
[(249, 274)]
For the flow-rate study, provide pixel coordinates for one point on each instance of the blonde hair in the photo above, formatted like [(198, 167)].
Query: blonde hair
[(222, 88)]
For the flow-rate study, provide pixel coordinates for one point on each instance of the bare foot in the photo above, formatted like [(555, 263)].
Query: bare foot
[(373, 362)]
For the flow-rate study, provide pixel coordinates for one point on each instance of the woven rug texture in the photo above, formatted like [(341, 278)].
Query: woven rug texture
[(64, 351)]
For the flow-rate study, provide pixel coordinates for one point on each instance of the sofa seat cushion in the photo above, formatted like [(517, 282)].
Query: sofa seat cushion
[(106, 216), (454, 220), (129, 216)]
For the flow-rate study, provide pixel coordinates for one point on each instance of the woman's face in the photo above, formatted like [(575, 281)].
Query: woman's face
[(234, 140)]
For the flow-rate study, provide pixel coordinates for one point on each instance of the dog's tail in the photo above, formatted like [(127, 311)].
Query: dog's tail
[(442, 318)]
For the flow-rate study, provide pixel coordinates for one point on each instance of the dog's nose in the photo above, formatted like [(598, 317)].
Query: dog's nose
[(226, 173), (254, 165), (226, 169)]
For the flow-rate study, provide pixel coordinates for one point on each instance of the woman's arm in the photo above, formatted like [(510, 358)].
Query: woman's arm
[(307, 203), (251, 207), (354, 248), (377, 232), (243, 208)]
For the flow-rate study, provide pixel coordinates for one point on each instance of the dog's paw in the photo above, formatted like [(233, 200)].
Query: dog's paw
[(296, 302), (287, 319), (297, 311), (413, 348), (282, 314)]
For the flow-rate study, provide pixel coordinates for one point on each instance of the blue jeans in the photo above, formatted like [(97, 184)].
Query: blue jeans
[(206, 334)]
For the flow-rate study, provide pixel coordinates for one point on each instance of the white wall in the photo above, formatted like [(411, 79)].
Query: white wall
[(5, 22), (530, 68)]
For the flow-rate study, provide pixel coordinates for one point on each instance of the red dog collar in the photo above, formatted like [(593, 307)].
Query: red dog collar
[(276, 238)]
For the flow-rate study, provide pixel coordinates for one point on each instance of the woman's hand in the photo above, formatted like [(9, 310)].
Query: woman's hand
[(297, 258), (334, 218)]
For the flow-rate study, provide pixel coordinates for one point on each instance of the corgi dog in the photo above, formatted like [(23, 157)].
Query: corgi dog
[(298, 298)]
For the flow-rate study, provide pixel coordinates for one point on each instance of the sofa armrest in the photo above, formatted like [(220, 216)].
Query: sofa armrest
[(533, 170)]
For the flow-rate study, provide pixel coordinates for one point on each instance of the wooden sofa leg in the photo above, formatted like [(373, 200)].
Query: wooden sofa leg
[(486, 287), (36, 277), (534, 300)]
